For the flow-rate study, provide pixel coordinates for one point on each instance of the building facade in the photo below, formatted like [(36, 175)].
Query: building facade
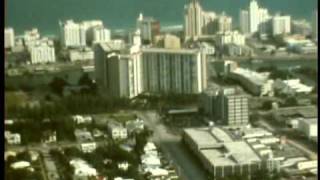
[(78, 34), (315, 25), (42, 52), (173, 71), (281, 25), (222, 24), (8, 38), (149, 28), (193, 19)]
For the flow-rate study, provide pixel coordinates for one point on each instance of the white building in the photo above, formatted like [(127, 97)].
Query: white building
[(244, 21), (315, 25), (110, 66), (281, 25), (254, 19), (88, 147), (253, 16), (8, 38), (117, 131), (291, 86), (31, 37), (208, 22), (309, 127), (82, 169), (223, 23), (82, 54), (233, 37), (77, 34), (193, 19), (42, 51), (256, 83), (101, 34), (12, 138), (82, 119)]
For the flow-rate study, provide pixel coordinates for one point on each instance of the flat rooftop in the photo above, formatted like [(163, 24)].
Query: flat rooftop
[(233, 153)]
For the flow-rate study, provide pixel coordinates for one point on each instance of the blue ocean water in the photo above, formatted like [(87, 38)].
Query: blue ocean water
[(122, 14)]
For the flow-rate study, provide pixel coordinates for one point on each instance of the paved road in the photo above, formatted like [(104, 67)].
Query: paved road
[(173, 148), (47, 147)]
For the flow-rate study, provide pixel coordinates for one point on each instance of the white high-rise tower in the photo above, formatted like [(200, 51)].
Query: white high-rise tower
[(253, 16), (193, 19)]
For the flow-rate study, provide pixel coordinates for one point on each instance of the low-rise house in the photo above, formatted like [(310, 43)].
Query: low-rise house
[(12, 138), (50, 136), (309, 126), (20, 165), (123, 166), (133, 126), (83, 135), (82, 119), (88, 147), (82, 169), (117, 131)]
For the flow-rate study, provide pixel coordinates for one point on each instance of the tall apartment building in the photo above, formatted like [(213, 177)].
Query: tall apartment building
[(77, 34), (42, 52), (301, 27), (208, 26), (116, 71), (222, 23), (100, 35), (149, 28), (31, 37), (255, 19), (281, 25), (315, 25), (8, 38), (244, 21), (193, 19), (177, 71), (227, 106)]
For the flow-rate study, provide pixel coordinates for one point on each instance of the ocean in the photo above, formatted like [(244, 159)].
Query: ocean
[(121, 14)]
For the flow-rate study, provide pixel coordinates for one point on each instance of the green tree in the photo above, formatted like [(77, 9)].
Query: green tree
[(57, 85)]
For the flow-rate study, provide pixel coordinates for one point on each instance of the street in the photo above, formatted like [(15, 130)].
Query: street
[(173, 149)]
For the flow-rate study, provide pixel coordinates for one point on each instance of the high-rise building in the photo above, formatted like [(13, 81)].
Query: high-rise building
[(70, 34), (254, 19), (264, 19), (8, 38), (301, 27), (31, 37), (77, 34), (222, 23), (149, 28), (116, 73), (244, 21), (315, 25), (253, 16), (281, 25), (42, 52), (193, 20), (227, 106), (173, 71), (208, 22), (100, 34)]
